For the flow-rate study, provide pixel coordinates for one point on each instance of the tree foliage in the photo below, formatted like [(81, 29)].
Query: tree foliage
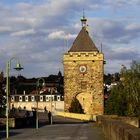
[(125, 97), (111, 78), (2, 97), (76, 106)]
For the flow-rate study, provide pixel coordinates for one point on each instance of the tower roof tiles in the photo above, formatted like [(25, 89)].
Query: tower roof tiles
[(83, 42)]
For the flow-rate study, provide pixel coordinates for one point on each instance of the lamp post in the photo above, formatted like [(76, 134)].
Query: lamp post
[(38, 83), (18, 67), (51, 106)]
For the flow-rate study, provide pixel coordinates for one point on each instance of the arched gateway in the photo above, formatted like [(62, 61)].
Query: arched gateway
[(83, 73)]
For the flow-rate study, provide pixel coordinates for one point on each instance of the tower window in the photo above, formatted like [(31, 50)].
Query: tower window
[(83, 85)]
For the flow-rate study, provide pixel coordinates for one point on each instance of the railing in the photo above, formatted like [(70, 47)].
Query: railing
[(84, 117), (116, 129)]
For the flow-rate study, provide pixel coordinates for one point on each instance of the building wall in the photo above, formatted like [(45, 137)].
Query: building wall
[(56, 105), (86, 87), (20, 102)]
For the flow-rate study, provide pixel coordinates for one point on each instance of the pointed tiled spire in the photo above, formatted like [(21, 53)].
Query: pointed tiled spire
[(83, 42)]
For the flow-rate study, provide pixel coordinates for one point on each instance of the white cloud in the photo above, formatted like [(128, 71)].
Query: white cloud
[(124, 54), (5, 29), (123, 2), (77, 25), (24, 6), (115, 31), (23, 33), (61, 35), (37, 30), (133, 27)]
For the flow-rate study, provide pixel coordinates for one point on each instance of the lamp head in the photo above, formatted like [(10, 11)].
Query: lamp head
[(43, 84), (18, 67)]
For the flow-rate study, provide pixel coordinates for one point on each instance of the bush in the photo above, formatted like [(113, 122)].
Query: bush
[(2, 112), (76, 107)]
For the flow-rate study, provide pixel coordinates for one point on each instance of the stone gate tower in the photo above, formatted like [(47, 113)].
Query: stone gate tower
[(83, 74)]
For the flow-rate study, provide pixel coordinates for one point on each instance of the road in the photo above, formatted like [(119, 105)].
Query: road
[(61, 129)]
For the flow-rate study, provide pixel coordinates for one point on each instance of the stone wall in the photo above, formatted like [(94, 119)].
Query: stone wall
[(11, 122), (118, 130), (18, 122), (84, 117), (86, 87), (129, 120)]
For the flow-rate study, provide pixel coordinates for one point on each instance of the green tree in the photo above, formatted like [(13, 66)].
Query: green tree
[(131, 83), (76, 106), (2, 97), (116, 103), (107, 79), (125, 97)]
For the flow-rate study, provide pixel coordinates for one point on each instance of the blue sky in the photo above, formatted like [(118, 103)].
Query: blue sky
[(39, 32)]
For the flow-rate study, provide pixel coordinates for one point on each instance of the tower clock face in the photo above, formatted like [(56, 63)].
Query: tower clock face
[(82, 68)]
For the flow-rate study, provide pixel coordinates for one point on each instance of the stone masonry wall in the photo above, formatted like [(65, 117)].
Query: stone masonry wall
[(116, 129), (86, 87)]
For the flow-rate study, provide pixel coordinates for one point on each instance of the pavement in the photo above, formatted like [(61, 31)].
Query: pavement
[(61, 129)]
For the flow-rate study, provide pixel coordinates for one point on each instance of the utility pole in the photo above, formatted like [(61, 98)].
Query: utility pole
[(51, 106)]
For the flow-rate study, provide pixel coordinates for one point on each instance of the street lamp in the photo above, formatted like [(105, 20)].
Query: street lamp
[(18, 67), (51, 106), (38, 84)]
